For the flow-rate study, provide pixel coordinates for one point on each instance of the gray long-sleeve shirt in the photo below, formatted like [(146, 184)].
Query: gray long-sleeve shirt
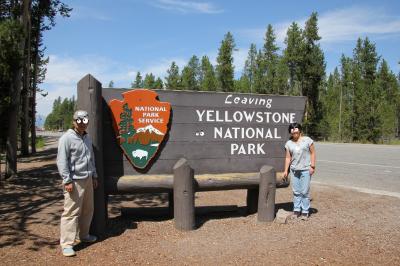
[(75, 157)]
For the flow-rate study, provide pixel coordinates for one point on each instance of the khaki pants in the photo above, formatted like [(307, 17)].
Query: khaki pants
[(78, 212)]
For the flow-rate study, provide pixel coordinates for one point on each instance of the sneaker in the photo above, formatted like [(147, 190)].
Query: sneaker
[(296, 214), (68, 252), (76, 242), (89, 239), (304, 216)]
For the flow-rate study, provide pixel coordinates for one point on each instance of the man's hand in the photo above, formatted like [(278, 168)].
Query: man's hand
[(68, 187), (95, 183)]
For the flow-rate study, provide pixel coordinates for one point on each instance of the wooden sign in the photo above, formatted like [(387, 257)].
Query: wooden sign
[(216, 132), (140, 124)]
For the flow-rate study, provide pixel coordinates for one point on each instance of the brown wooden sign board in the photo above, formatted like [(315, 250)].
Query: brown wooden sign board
[(216, 132)]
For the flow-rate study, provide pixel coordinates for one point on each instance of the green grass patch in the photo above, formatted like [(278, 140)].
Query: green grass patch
[(40, 142), (394, 142)]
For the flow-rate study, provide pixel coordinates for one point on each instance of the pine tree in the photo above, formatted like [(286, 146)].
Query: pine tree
[(259, 80), (293, 57), (60, 117), (312, 75), (281, 85), (173, 79), (270, 51), (149, 81), (332, 107), (111, 84), (388, 96), (250, 69), (346, 112), (243, 84), (159, 85), (191, 74), (208, 81), (225, 67), (367, 120), (138, 81)]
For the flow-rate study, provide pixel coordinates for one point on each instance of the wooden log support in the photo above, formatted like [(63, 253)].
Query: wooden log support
[(184, 213), (90, 99), (206, 182), (266, 199), (252, 200)]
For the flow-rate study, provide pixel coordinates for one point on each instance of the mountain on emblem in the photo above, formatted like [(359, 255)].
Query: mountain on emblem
[(151, 129), (140, 124)]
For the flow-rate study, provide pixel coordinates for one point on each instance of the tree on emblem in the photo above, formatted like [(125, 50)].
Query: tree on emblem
[(125, 126)]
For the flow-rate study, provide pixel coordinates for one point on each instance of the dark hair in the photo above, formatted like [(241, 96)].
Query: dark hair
[(293, 126)]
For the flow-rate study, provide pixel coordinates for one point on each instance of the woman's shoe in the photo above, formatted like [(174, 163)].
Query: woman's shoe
[(304, 216)]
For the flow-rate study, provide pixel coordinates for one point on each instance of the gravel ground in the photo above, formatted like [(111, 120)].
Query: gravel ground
[(345, 228)]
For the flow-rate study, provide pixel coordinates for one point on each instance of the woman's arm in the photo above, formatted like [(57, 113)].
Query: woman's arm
[(288, 158), (312, 156)]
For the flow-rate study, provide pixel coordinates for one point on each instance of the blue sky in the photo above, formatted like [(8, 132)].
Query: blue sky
[(114, 39)]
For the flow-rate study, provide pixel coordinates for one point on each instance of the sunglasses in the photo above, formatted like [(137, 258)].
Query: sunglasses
[(295, 131), (80, 121)]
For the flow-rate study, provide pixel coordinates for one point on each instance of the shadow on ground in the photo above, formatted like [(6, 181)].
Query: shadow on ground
[(127, 210), (27, 200), (31, 205)]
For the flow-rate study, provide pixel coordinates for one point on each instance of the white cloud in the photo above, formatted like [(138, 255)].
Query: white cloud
[(64, 72), (187, 6), (349, 24), (340, 25)]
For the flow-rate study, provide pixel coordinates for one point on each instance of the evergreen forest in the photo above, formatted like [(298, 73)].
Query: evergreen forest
[(357, 102)]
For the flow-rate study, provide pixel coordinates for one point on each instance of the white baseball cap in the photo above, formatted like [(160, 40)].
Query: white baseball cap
[(81, 114)]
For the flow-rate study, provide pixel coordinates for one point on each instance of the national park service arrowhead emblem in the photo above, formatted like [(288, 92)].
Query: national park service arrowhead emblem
[(140, 124)]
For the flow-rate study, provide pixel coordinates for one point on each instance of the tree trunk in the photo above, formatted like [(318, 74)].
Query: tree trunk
[(26, 91), (36, 60), (11, 143), (33, 106)]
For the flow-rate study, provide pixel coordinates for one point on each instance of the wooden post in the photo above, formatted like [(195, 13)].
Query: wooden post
[(252, 200), (266, 200), (90, 99), (184, 214)]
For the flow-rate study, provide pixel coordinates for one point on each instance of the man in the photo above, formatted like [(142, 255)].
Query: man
[(75, 162)]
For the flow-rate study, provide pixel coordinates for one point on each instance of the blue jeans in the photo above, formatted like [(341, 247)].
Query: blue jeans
[(301, 190)]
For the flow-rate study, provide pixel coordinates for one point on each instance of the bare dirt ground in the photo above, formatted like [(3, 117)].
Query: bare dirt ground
[(346, 227)]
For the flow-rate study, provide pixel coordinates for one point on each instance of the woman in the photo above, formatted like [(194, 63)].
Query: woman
[(300, 161)]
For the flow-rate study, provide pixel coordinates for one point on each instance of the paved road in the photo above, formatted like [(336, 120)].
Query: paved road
[(366, 167), (50, 137)]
